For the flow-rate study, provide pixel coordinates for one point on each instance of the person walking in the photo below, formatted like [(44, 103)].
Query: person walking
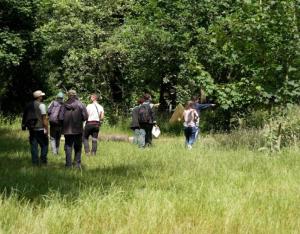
[(190, 117), (199, 107), (95, 116), (55, 125), (146, 119), (73, 113), (35, 120), (139, 134)]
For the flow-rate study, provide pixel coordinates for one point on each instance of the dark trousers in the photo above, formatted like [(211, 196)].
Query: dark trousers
[(37, 138), (70, 142), (148, 130), (90, 130), (55, 135)]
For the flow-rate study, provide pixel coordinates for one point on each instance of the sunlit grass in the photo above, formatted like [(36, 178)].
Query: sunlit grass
[(164, 189)]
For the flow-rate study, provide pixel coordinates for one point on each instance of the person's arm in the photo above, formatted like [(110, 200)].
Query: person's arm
[(45, 124), (43, 111), (85, 115), (195, 114), (24, 118), (204, 106), (153, 115), (101, 115)]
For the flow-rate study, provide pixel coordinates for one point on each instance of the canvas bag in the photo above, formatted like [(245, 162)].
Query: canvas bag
[(156, 131)]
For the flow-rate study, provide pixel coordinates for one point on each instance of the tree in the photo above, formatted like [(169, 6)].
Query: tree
[(17, 54)]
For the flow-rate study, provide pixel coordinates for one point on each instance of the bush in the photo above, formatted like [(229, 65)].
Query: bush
[(262, 130), (283, 128)]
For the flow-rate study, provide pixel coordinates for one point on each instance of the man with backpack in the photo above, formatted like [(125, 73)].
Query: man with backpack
[(95, 116), (146, 118), (35, 120), (55, 125), (73, 113)]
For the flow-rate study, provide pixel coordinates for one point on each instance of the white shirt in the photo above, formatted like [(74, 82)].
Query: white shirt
[(93, 112)]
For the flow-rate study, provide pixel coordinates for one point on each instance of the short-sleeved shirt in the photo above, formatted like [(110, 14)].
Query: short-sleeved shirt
[(41, 110), (94, 110)]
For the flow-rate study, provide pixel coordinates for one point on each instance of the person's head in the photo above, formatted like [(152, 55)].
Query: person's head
[(195, 98), (38, 95), (72, 93), (60, 95), (147, 97), (189, 105), (140, 101), (94, 97)]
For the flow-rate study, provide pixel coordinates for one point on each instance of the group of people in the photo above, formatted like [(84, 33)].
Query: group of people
[(191, 117), (68, 118), (65, 118)]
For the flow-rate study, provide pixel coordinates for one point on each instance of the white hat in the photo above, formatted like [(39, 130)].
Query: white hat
[(38, 93)]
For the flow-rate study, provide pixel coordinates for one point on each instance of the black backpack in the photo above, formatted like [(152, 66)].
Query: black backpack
[(145, 113), (30, 117)]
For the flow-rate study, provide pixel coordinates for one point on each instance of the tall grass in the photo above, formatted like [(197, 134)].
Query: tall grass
[(165, 189)]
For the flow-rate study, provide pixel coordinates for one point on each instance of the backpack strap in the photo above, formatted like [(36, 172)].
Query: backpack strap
[(97, 111)]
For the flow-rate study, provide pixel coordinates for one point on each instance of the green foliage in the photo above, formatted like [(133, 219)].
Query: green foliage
[(282, 129), (243, 54), (77, 51)]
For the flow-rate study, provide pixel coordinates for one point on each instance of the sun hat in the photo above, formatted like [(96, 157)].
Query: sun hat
[(72, 92), (38, 93)]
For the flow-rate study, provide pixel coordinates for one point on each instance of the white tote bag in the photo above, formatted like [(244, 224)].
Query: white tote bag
[(155, 131)]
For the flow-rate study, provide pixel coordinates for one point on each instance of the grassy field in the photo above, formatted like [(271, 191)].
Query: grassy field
[(165, 189)]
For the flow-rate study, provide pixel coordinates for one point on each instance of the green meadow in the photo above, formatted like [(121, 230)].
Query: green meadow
[(164, 189)]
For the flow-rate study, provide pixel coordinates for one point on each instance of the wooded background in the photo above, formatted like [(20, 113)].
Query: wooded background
[(243, 54)]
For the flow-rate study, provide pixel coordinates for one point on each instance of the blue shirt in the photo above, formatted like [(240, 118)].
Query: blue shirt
[(198, 107)]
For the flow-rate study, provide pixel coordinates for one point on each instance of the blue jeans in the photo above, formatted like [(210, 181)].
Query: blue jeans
[(197, 132), (37, 138), (139, 137), (146, 133), (190, 135)]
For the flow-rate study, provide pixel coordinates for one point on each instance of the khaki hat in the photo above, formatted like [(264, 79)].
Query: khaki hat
[(72, 92), (38, 93)]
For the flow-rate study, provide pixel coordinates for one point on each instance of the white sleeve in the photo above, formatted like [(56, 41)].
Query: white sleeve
[(101, 109), (42, 108)]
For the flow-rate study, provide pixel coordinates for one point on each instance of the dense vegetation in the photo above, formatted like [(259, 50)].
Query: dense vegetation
[(244, 54)]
